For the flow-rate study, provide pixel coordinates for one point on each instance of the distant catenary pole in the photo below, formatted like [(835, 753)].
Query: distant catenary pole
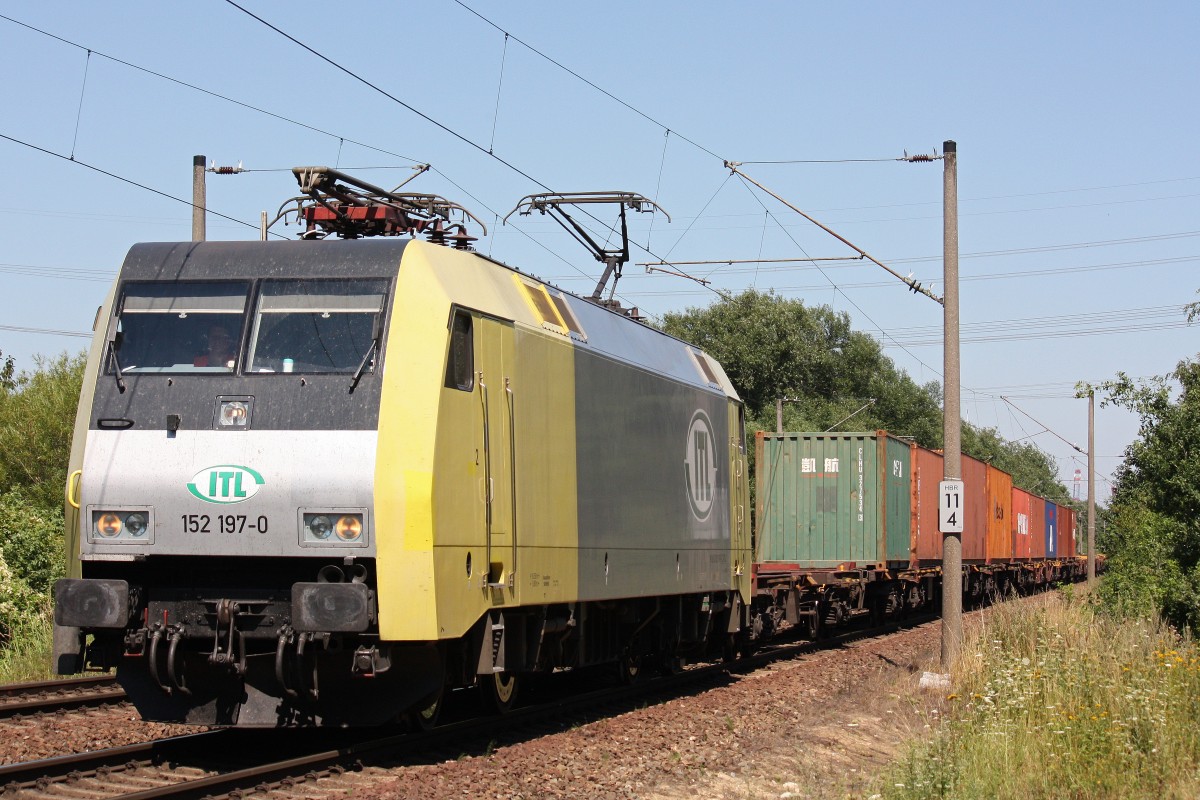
[(1091, 533), (952, 631), (198, 203)]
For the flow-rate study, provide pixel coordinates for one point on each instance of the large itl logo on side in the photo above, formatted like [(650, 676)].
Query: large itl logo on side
[(700, 465), (225, 484)]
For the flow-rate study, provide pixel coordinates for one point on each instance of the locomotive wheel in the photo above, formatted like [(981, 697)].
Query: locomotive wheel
[(629, 669), (424, 716), (500, 691)]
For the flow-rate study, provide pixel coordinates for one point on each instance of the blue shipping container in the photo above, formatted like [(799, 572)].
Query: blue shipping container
[(1051, 530)]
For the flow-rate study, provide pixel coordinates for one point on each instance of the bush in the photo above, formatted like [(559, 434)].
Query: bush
[(37, 418), (1144, 577), (31, 541), (21, 608)]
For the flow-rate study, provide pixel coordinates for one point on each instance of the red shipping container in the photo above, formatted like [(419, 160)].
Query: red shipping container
[(975, 511), (999, 523), (1020, 524), (927, 471), (1037, 528)]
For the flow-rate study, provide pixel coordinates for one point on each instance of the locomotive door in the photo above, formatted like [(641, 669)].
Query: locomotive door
[(740, 523), (495, 366)]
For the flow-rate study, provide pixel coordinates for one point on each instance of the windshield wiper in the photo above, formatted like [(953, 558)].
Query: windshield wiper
[(376, 335), (112, 351)]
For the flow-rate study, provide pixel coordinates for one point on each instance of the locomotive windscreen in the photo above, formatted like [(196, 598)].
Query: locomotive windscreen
[(315, 325), (180, 327)]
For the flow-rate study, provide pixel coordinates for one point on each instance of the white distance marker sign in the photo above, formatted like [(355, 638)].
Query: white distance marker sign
[(950, 506)]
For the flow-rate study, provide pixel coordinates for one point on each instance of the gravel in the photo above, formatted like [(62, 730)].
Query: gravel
[(820, 725), (43, 736)]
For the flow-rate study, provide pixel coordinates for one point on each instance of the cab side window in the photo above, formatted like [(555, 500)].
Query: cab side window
[(460, 362)]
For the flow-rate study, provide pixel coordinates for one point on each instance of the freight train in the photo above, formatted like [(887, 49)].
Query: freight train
[(846, 526), (325, 482)]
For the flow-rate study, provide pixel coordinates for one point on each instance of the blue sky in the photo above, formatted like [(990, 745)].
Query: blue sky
[(1079, 178)]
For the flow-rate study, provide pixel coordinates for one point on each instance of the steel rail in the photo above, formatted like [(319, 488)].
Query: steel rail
[(58, 695), (209, 751)]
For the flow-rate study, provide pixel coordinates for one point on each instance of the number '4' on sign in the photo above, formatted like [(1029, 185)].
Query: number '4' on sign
[(950, 506)]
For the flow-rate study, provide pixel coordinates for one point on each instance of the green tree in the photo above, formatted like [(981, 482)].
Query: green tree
[(772, 347), (7, 368), (37, 417), (1157, 495)]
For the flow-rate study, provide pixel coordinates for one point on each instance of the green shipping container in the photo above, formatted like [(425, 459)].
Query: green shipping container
[(830, 499)]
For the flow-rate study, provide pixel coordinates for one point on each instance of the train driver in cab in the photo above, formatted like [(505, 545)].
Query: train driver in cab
[(219, 351)]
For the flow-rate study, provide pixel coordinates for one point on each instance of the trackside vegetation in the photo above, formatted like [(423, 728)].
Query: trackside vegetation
[(1063, 700), (37, 413), (1155, 512)]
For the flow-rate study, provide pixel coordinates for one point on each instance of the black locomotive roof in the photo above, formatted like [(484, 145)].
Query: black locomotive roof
[(365, 258)]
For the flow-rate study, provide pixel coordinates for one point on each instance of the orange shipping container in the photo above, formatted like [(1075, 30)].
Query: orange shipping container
[(999, 530), (975, 511), (1037, 528), (927, 471), (1020, 524)]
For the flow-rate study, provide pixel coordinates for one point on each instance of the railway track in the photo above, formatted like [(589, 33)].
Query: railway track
[(42, 697), (225, 763)]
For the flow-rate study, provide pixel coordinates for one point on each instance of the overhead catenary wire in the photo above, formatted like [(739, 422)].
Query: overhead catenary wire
[(662, 162), (908, 281), (202, 90), (50, 331), (575, 74), (1047, 428), (79, 110), (383, 150), (282, 118), (499, 87), (422, 115), (825, 161), (835, 286), (123, 179), (380, 90)]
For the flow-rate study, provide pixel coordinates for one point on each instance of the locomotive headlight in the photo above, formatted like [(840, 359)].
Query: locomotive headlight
[(333, 528), (109, 525), (122, 526), (234, 414), (349, 528), (135, 525), (318, 526)]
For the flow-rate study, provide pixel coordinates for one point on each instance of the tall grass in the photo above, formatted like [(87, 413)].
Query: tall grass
[(1064, 701), (27, 654)]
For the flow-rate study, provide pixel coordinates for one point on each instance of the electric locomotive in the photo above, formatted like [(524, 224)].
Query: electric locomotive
[(322, 482)]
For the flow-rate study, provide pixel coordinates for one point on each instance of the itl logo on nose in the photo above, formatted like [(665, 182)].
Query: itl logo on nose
[(225, 484), (224, 478)]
